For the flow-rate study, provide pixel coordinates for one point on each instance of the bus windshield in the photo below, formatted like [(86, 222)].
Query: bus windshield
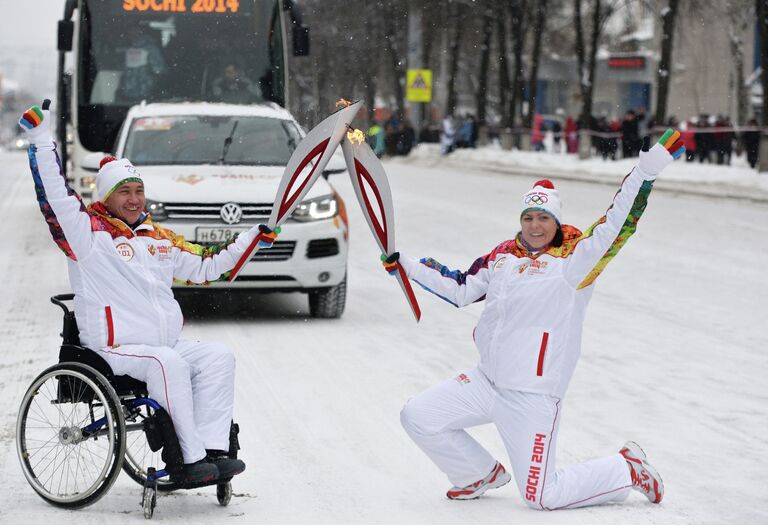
[(173, 50), (211, 139)]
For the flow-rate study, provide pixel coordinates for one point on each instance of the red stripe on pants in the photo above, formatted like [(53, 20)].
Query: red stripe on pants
[(542, 351), (110, 327)]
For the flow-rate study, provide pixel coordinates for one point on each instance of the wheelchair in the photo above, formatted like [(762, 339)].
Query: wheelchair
[(79, 425)]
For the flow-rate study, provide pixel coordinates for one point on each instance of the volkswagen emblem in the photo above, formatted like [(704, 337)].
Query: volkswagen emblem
[(231, 213)]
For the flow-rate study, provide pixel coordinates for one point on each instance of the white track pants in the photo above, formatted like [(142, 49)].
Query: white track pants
[(528, 424), (193, 381)]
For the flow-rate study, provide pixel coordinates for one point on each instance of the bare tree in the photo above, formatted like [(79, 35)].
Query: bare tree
[(762, 17), (740, 15), (533, 78), (501, 38), (457, 18), (587, 57), (395, 20), (519, 27), (485, 56), (668, 19)]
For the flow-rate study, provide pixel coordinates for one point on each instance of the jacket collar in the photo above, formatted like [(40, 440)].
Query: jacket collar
[(570, 234), (99, 211)]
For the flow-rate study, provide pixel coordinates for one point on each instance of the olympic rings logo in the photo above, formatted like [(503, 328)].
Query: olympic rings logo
[(536, 198)]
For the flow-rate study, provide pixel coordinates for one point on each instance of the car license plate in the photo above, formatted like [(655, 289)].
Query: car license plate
[(208, 234)]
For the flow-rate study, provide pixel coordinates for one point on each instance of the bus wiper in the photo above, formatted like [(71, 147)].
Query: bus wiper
[(228, 142)]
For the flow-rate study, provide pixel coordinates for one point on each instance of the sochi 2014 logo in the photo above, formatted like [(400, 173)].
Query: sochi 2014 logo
[(536, 199)]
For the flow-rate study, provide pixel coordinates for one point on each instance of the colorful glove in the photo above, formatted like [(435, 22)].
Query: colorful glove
[(655, 159), (35, 122), (268, 236), (390, 263)]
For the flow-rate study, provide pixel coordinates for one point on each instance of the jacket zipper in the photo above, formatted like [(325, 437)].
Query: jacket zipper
[(542, 351)]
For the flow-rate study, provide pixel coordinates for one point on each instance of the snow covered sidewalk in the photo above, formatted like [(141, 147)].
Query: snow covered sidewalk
[(737, 181)]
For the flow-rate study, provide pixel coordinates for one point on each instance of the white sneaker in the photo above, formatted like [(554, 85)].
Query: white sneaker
[(497, 478), (645, 479)]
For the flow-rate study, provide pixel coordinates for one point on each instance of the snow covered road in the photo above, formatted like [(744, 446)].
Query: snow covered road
[(674, 357)]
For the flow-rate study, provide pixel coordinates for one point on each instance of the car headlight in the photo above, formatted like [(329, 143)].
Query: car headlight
[(88, 183), (156, 209), (316, 209)]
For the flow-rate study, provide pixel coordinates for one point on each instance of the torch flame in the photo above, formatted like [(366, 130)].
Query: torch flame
[(343, 103), (356, 136)]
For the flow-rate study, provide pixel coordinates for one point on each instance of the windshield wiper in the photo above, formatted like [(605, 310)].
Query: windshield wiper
[(228, 142)]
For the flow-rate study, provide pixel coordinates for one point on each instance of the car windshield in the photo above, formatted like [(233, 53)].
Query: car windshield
[(202, 139)]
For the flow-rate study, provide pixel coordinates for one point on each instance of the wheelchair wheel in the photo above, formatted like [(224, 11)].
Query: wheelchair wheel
[(224, 493), (138, 456), (149, 496), (70, 435)]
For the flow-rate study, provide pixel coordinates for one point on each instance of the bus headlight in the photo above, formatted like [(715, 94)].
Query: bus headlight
[(316, 209), (156, 209)]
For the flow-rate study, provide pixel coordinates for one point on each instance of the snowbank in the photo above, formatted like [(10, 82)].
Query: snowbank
[(738, 181)]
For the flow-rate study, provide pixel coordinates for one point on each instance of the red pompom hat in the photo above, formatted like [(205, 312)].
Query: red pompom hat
[(543, 197), (113, 173)]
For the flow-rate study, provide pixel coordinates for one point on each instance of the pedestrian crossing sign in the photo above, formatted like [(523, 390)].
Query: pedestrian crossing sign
[(419, 85)]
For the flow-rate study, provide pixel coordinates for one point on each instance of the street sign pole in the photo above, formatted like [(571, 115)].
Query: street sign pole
[(415, 58)]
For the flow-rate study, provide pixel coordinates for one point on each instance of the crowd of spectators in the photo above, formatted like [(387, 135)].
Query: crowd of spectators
[(393, 137), (708, 138)]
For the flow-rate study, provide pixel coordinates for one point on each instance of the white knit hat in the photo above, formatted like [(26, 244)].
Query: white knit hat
[(543, 197), (113, 173)]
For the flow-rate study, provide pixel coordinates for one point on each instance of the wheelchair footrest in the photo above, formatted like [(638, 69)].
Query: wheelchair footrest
[(187, 486)]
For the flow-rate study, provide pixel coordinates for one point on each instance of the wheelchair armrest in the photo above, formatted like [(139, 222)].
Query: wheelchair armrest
[(58, 300)]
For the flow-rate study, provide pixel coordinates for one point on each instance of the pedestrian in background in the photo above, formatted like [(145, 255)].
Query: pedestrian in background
[(571, 135), (723, 140), (376, 139), (751, 141), (537, 133), (448, 136), (630, 135), (689, 137)]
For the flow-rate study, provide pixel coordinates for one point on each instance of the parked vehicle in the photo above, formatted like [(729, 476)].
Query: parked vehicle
[(212, 171)]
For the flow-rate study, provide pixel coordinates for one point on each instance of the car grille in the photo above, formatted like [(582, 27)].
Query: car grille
[(265, 278), (280, 251), (322, 248), (190, 210)]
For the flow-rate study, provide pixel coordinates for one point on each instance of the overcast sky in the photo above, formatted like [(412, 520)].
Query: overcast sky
[(28, 43)]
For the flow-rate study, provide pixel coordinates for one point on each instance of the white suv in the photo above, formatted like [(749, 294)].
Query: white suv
[(212, 170)]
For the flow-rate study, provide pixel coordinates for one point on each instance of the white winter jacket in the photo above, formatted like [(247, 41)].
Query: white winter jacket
[(122, 277), (529, 333)]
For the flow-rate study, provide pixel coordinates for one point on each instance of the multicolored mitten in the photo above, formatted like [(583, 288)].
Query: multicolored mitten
[(35, 122), (669, 147), (672, 143), (268, 236), (390, 262)]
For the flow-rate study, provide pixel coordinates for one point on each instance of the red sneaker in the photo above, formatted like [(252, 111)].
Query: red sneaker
[(497, 478), (645, 479)]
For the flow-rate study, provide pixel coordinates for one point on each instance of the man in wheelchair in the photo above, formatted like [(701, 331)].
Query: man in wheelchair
[(121, 267)]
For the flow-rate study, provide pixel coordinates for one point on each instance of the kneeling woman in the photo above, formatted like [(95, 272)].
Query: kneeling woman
[(536, 289)]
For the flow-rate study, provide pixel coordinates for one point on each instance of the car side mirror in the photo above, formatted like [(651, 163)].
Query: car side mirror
[(92, 160), (327, 172), (66, 31), (336, 164)]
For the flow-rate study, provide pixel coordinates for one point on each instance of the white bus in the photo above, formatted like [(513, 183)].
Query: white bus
[(114, 54)]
